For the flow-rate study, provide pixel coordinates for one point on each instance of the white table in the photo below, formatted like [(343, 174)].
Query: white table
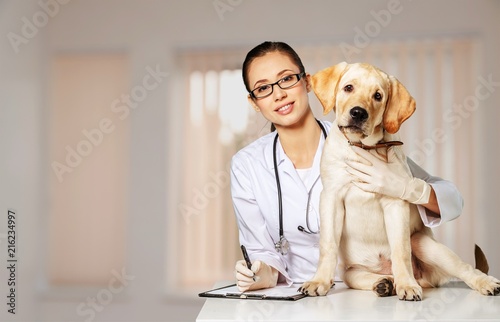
[(453, 302)]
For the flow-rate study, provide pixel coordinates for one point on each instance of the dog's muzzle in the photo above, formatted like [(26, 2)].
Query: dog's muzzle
[(356, 119)]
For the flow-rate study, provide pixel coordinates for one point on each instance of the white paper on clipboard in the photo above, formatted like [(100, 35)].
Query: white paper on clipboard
[(280, 292)]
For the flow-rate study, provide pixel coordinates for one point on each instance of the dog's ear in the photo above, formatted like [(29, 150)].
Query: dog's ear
[(324, 84), (400, 106)]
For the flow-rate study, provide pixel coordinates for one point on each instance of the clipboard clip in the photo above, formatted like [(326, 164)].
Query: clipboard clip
[(246, 296)]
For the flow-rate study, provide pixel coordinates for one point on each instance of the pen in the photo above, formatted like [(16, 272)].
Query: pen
[(247, 259)]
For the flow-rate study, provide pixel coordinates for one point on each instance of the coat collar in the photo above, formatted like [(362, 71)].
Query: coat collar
[(285, 165)]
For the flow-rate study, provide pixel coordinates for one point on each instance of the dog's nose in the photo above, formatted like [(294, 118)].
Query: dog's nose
[(358, 114)]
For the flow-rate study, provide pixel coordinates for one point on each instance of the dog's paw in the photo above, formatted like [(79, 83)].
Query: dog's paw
[(384, 287), (487, 285), (316, 288), (409, 292)]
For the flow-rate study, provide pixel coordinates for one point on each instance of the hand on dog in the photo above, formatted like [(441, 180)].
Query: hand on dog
[(388, 178), (259, 276)]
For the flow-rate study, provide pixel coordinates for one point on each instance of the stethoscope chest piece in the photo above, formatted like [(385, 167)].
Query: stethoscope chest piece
[(282, 246)]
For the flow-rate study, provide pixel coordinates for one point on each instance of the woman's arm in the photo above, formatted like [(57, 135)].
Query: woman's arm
[(438, 200), (252, 226), (433, 205), (445, 202)]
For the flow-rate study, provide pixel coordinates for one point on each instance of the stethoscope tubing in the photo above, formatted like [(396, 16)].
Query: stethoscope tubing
[(279, 245)]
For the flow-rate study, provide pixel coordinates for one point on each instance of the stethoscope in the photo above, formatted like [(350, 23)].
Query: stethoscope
[(282, 246)]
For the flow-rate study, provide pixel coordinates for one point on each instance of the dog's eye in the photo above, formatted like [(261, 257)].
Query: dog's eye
[(348, 88), (377, 96)]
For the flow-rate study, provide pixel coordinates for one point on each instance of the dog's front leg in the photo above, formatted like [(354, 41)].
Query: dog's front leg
[(332, 221), (397, 224)]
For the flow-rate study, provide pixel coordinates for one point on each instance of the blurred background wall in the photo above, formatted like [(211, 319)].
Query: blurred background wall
[(92, 131)]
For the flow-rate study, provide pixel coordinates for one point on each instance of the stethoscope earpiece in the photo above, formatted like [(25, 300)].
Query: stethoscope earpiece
[(302, 229)]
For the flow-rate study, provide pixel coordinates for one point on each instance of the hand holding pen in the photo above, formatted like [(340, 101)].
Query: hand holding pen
[(254, 276)]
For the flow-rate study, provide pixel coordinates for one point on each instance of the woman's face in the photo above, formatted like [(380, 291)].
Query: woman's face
[(284, 107)]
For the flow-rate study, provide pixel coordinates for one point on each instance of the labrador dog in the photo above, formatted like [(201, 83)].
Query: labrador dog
[(381, 242)]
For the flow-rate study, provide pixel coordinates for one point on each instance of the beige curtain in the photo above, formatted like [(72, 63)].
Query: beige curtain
[(88, 154), (207, 227)]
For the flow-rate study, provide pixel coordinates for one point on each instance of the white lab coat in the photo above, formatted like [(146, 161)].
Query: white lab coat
[(254, 193)]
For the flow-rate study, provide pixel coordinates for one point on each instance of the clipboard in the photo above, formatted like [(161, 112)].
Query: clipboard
[(280, 293)]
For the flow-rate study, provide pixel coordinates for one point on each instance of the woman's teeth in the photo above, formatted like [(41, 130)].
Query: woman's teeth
[(284, 108)]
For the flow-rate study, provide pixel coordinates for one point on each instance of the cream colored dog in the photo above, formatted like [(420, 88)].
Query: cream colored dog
[(382, 243)]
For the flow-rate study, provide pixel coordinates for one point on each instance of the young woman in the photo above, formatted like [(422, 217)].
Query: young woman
[(276, 184)]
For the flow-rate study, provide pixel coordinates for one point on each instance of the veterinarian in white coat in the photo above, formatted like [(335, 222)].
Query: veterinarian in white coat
[(278, 86)]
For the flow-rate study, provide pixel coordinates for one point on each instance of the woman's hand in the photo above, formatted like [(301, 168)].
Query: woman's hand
[(259, 276), (389, 178)]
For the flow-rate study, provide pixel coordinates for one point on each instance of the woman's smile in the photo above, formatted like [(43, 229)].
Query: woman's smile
[(285, 109)]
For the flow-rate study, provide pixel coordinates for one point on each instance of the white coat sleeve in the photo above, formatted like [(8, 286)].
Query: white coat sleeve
[(449, 199), (252, 226)]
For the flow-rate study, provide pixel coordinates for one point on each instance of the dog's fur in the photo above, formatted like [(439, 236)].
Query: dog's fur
[(382, 242)]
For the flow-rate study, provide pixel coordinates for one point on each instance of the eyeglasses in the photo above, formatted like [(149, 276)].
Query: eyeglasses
[(284, 83)]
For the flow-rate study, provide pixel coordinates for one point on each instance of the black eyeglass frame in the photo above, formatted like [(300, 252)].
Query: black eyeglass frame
[(298, 75)]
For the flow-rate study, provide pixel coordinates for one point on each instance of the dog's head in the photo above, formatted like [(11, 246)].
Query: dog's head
[(366, 100)]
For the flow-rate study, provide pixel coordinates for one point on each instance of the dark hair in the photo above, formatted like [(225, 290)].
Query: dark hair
[(268, 47)]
